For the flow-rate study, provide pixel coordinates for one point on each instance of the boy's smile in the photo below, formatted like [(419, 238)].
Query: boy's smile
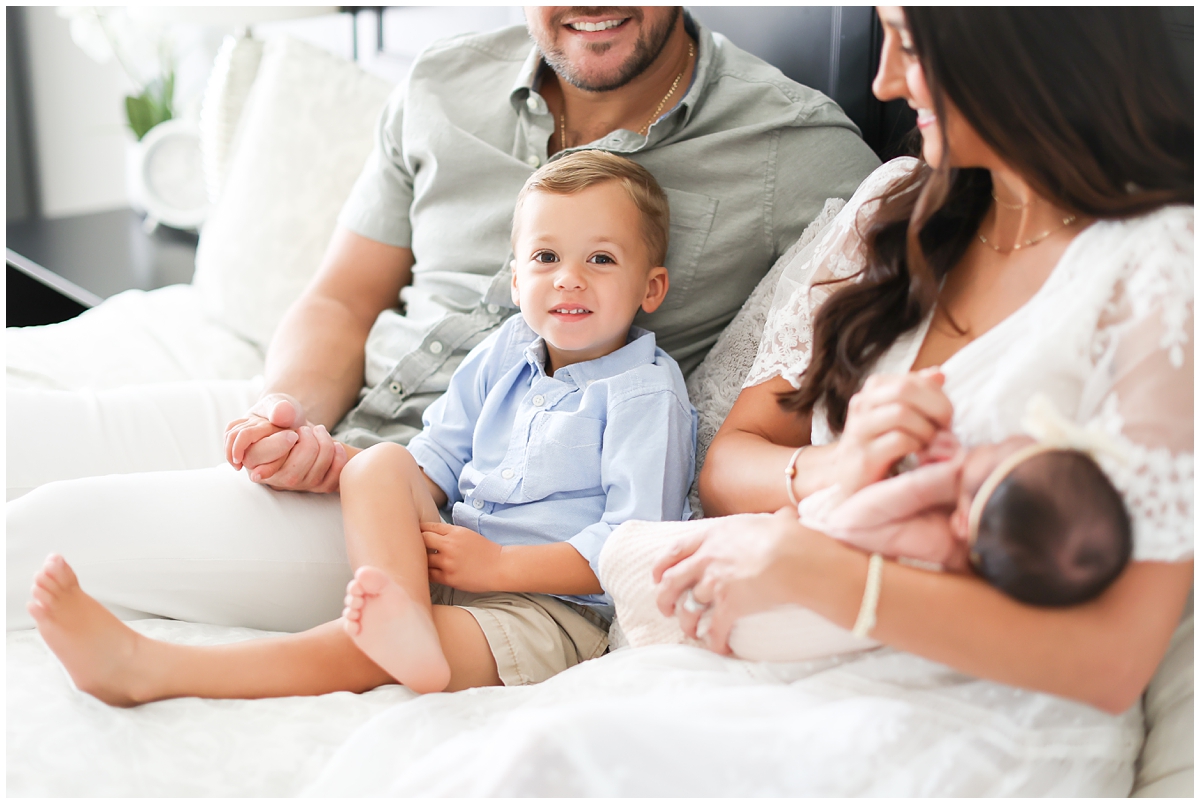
[(582, 271)]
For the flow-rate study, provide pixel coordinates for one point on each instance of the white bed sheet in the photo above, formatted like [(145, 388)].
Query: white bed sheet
[(62, 742), (670, 720)]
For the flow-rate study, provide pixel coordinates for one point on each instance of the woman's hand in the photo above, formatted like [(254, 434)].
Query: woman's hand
[(461, 558), (736, 566), (278, 447), (892, 416)]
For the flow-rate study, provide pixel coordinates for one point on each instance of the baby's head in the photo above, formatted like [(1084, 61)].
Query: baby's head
[(589, 238), (1044, 525)]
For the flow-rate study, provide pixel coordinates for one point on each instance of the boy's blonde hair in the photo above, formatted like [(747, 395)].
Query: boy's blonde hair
[(583, 169)]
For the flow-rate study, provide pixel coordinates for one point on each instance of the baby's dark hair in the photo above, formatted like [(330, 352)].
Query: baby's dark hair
[(1055, 531)]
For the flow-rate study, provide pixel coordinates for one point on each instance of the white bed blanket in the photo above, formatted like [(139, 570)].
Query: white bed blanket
[(62, 742), (670, 720), (680, 721)]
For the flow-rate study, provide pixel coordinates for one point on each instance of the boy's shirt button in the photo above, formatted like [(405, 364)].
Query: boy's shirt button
[(538, 401), (507, 474), (478, 504)]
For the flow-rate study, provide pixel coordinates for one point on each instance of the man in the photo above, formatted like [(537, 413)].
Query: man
[(747, 159)]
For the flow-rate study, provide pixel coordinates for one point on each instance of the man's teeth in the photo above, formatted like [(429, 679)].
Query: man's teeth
[(596, 26)]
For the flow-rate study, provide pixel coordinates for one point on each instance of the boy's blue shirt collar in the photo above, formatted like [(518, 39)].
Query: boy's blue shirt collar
[(639, 349)]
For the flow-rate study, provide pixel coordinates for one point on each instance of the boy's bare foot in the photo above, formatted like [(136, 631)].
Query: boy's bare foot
[(394, 631), (98, 650)]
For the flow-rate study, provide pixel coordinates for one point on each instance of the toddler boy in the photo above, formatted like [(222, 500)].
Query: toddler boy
[(560, 426)]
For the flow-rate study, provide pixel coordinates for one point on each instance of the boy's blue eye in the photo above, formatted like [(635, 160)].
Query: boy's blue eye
[(545, 256), (603, 259)]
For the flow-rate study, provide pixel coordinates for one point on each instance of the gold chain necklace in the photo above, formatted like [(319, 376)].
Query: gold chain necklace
[(1033, 241), (1011, 206), (562, 117)]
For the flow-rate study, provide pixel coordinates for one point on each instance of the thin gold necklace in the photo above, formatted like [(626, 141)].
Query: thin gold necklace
[(1012, 206), (1033, 241), (562, 116)]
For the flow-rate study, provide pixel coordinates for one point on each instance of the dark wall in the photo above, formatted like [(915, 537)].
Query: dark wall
[(834, 49)]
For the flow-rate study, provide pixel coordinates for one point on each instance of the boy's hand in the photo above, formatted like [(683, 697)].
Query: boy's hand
[(460, 558), (273, 415), (278, 447)]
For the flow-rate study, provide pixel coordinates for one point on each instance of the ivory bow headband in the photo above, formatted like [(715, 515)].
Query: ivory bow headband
[(1053, 432)]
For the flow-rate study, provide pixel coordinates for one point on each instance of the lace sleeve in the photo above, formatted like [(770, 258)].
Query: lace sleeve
[(1141, 389), (816, 272)]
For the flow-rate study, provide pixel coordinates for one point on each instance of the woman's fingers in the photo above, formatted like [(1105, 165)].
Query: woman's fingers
[(683, 547), (676, 580)]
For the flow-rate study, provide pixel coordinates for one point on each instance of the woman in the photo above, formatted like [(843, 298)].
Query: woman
[(1045, 243)]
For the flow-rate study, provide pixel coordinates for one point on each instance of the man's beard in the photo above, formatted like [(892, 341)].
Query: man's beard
[(647, 48)]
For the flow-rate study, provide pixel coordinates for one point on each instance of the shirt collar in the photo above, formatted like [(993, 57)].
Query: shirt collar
[(640, 349), (527, 76)]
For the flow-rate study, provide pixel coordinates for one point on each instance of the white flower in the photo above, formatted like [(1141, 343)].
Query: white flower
[(142, 47), (88, 32)]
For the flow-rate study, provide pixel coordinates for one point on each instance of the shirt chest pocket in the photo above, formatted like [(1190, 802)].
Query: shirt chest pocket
[(691, 221), (563, 455)]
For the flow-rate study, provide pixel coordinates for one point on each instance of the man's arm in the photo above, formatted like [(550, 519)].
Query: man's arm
[(316, 355), (316, 358)]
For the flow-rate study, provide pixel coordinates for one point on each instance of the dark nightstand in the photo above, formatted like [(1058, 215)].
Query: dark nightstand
[(57, 268)]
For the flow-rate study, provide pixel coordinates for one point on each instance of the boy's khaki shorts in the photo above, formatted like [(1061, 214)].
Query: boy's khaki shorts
[(531, 636)]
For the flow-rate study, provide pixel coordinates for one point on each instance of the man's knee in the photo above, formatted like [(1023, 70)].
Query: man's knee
[(386, 462)]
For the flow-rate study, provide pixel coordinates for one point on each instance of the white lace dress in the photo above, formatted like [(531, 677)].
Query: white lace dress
[(1108, 338)]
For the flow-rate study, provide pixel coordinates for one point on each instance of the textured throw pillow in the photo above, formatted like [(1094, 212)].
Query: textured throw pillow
[(307, 129), (714, 386), (1165, 767)]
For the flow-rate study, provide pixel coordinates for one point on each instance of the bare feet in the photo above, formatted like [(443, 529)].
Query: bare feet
[(98, 650), (394, 631)]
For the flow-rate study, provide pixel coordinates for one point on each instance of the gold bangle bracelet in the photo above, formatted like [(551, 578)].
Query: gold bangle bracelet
[(789, 474), (870, 600)]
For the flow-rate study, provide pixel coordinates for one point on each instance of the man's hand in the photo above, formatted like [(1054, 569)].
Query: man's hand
[(280, 448), (461, 558)]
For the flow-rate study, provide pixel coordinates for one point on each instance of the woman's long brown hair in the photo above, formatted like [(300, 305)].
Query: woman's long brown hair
[(1087, 104)]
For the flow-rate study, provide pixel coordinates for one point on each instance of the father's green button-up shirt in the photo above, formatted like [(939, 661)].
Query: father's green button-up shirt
[(747, 160)]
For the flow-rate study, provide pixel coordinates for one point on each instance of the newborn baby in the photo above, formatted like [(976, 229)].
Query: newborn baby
[(1048, 529), (1039, 520)]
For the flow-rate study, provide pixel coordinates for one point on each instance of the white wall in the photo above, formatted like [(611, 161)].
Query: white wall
[(79, 129), (80, 134)]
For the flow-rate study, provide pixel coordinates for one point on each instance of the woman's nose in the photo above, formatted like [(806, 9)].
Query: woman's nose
[(890, 82)]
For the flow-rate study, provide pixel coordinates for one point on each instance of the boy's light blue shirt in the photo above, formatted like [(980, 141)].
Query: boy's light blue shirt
[(527, 458)]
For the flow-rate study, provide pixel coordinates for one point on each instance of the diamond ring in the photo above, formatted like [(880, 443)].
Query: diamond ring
[(691, 604)]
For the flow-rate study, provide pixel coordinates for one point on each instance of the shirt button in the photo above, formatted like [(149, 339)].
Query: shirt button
[(538, 401), (533, 103), (478, 504), (436, 347), (532, 160), (493, 308), (395, 388), (507, 474)]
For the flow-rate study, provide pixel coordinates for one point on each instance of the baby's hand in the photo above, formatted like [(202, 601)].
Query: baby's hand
[(461, 558), (943, 447)]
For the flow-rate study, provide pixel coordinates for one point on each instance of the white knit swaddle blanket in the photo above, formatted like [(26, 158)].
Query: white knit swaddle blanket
[(785, 634)]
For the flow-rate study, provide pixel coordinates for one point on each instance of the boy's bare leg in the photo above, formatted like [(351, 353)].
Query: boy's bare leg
[(109, 660), (388, 613)]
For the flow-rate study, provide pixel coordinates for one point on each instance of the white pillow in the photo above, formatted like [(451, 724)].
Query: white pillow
[(307, 129), (714, 386), (1165, 767)]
